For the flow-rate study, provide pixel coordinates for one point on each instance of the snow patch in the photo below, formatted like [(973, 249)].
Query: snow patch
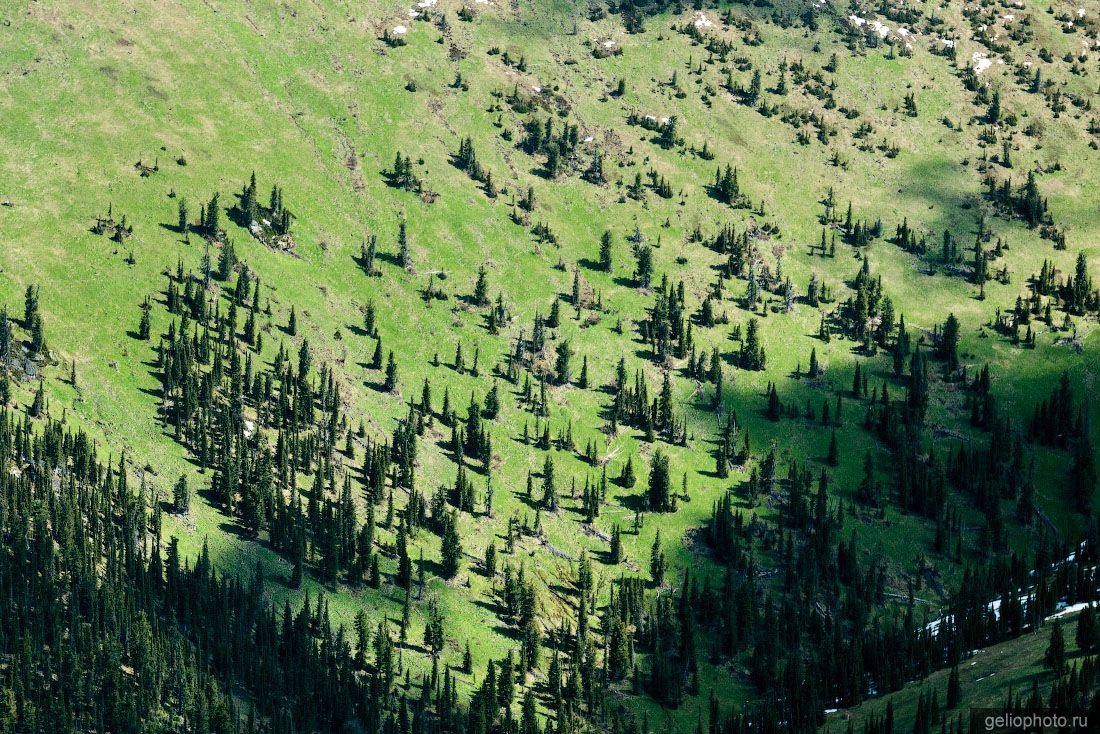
[(877, 26), (1071, 609), (981, 61), (701, 20), (400, 30)]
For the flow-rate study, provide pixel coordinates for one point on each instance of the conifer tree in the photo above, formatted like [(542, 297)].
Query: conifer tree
[(549, 490), (481, 288), (659, 495), (562, 369), (390, 384), (643, 270), (404, 563), (834, 453), (451, 547), (605, 252), (627, 478), (1055, 656), (183, 224), (181, 495), (1083, 473), (949, 343), (657, 562), (403, 255), (1088, 635), (953, 688)]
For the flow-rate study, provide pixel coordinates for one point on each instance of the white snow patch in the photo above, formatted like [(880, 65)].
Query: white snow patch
[(414, 13), (609, 43), (1009, 16), (947, 42), (588, 138), (1071, 609), (536, 89), (877, 26), (701, 20), (400, 30), (981, 61), (1080, 12)]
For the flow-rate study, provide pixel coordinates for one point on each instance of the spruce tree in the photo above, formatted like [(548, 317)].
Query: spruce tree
[(403, 255), (549, 490), (390, 384), (949, 343), (481, 288), (605, 252), (643, 271), (1088, 635), (657, 562), (181, 495), (562, 369), (659, 495), (1055, 656), (451, 547), (834, 453), (404, 563)]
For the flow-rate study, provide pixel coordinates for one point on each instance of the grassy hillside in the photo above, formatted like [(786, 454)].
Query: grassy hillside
[(318, 98), (1010, 669)]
